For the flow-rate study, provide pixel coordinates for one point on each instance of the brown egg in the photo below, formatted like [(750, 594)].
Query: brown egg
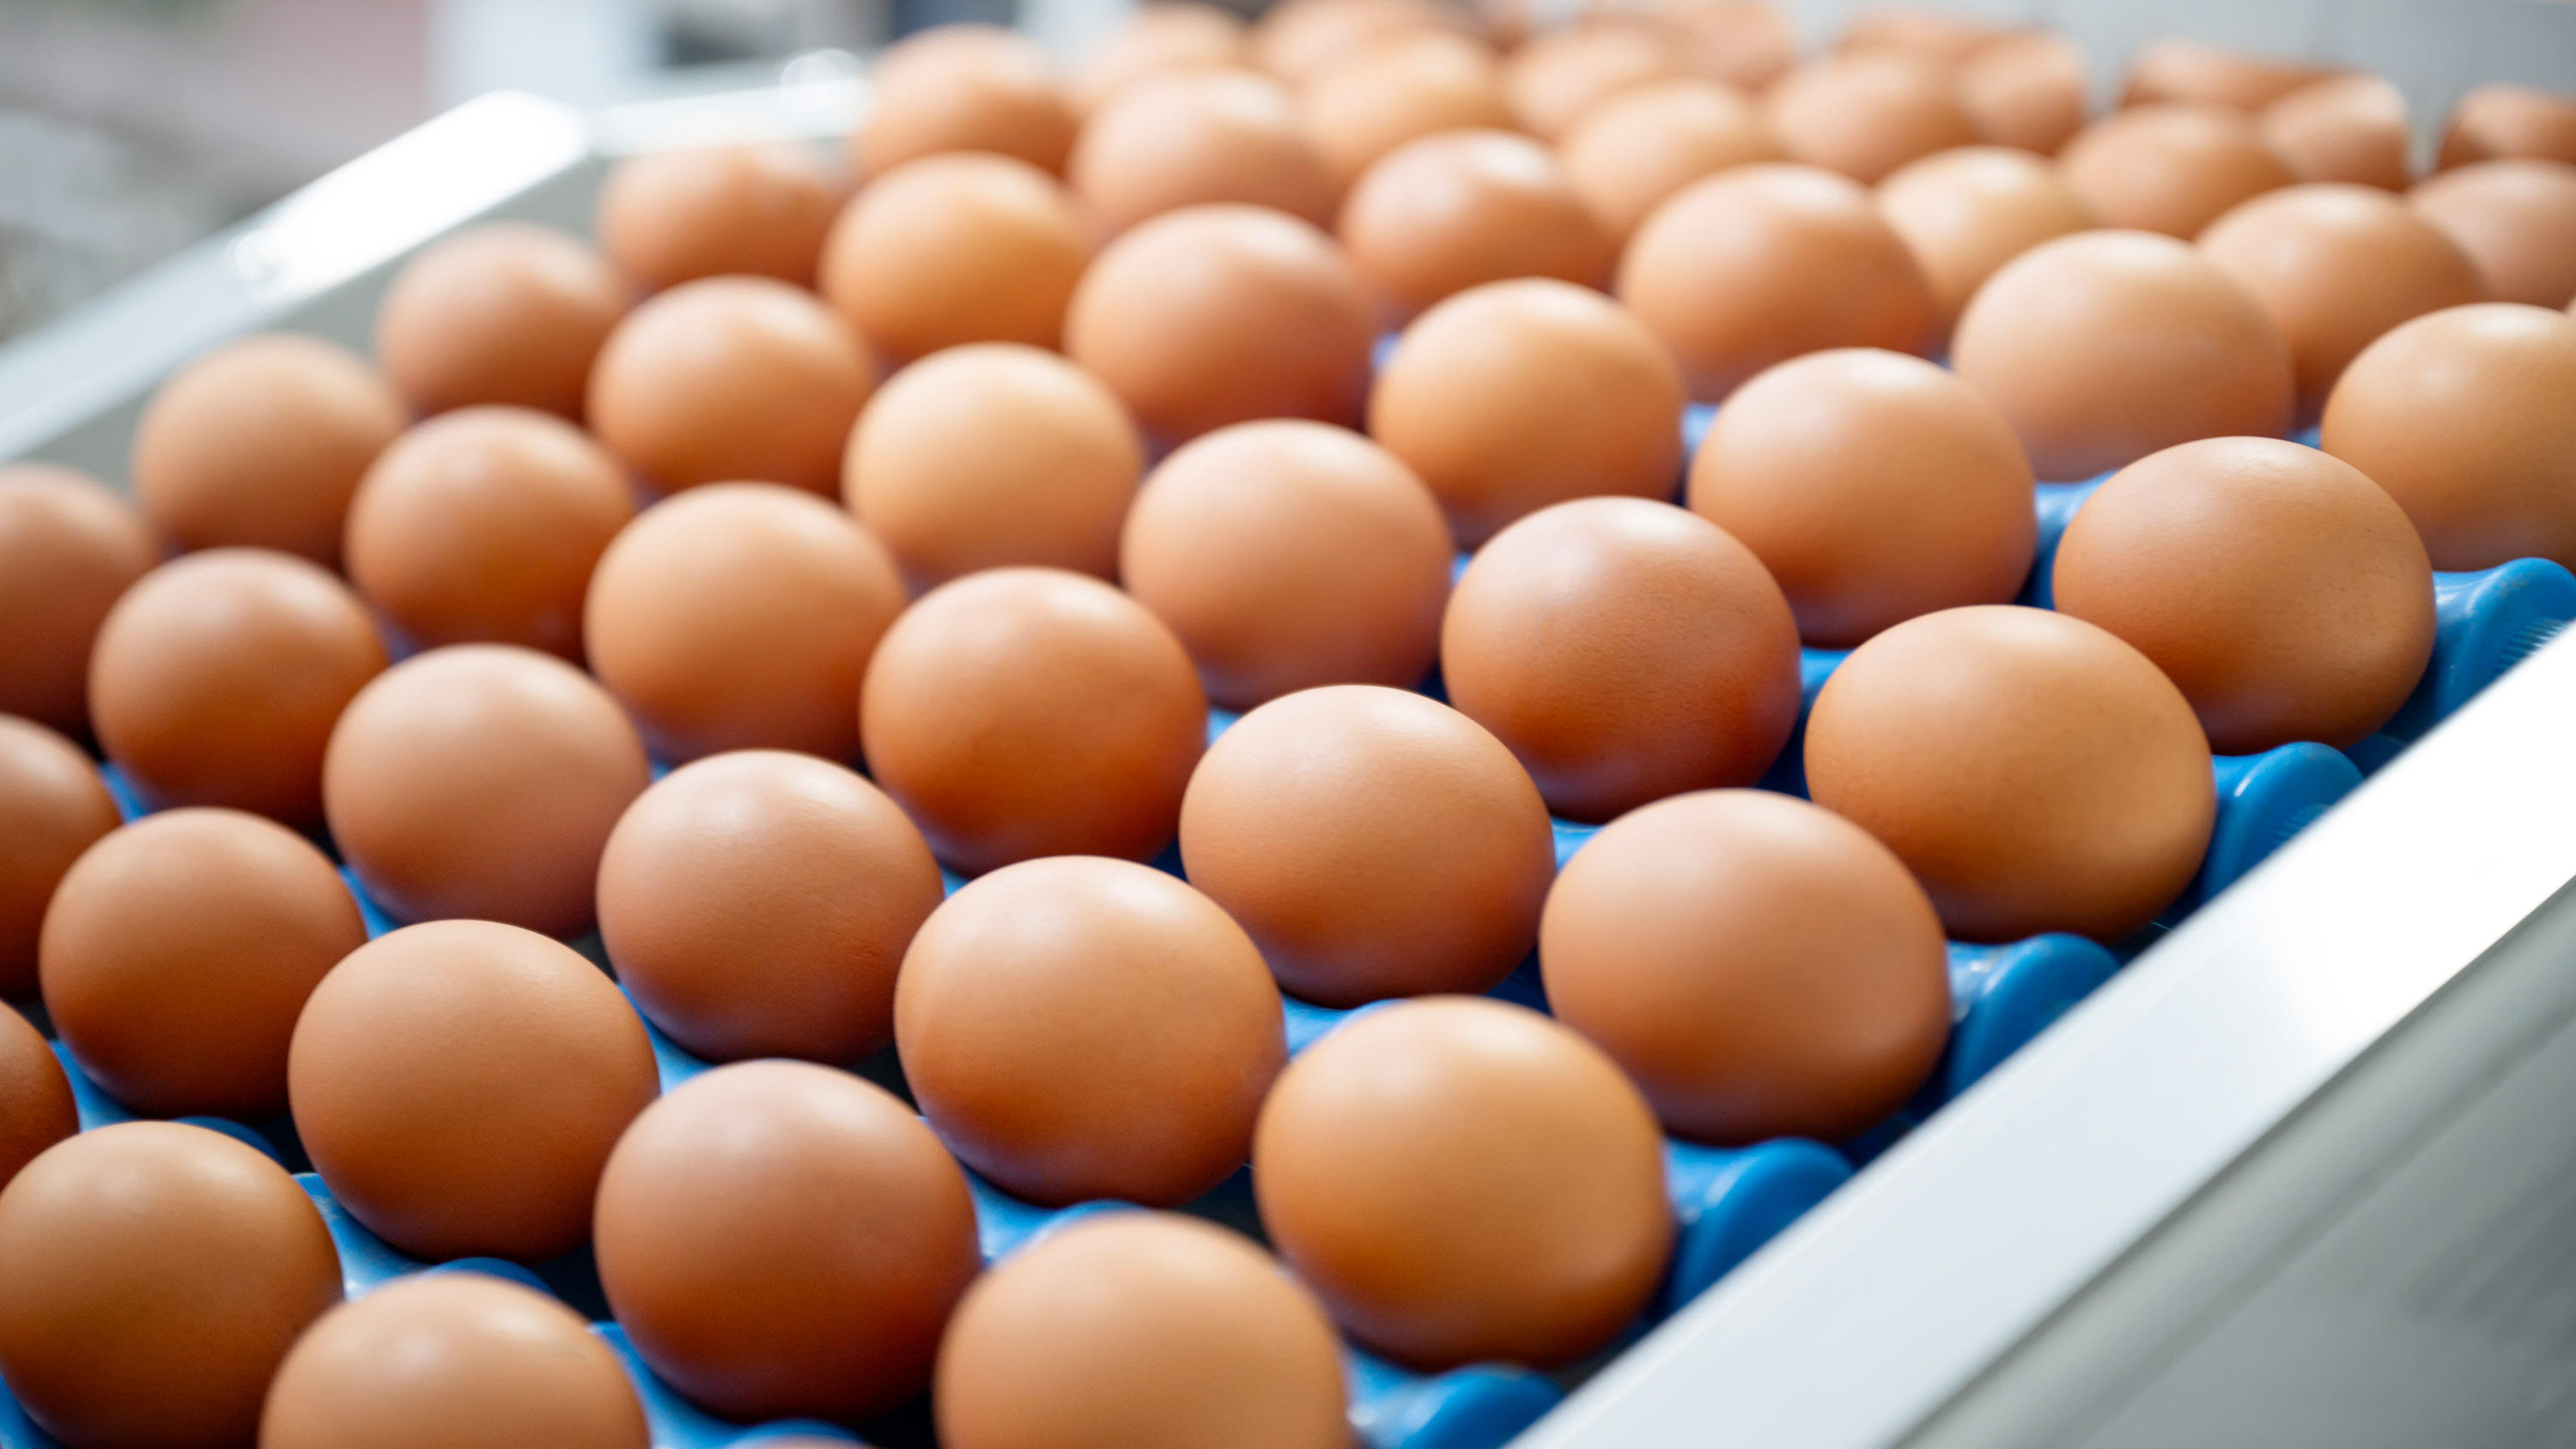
[(990, 455), (52, 807), (2501, 119), (757, 904), (260, 442), (1744, 43), (1083, 1337), (2171, 168), (2462, 417), (156, 1275), (2026, 91), (1866, 114), (1557, 77), (963, 88), (1756, 265), (1873, 487), (1192, 137), (2103, 347), (1399, 89), (1023, 712), (2350, 128), (459, 1085), (1948, 40), (2192, 72), (1634, 150), (669, 217), (502, 312), (1081, 1028), (2337, 265), (730, 378), (1297, 39), (956, 248), (1374, 842), (36, 1106), (785, 1239), (482, 526), (178, 951), (68, 549), (741, 616), (2033, 772), (1285, 555), (1442, 214), (452, 1358), (217, 679), (1461, 1180), (1158, 36), (481, 780), (2516, 219), (1512, 396), (1966, 212), (1220, 314)]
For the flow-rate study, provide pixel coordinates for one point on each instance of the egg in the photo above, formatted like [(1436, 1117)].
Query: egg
[(2103, 347), (1398, 89), (1632, 151), (259, 443), (1872, 487), (2197, 73), (1442, 214), (1188, 137), (459, 1085), (2462, 416), (956, 248), (481, 780), (1866, 114), (69, 548), (1078, 1027), (1220, 314), (756, 904), (989, 455), (1288, 554), (455, 1358), (1161, 35), (2026, 91), (156, 1273), (1023, 712), (1947, 40), (178, 952), (2171, 168), (502, 312), (2501, 119), (668, 217), (216, 680), (2350, 128), (1374, 842), (781, 1239), (1756, 265), (1297, 39), (1557, 77), (741, 616), (482, 526), (1461, 1180), (52, 807), (1966, 212), (1745, 43), (963, 88), (1082, 1338), (36, 1106), (2337, 265), (2516, 219), (2034, 772)]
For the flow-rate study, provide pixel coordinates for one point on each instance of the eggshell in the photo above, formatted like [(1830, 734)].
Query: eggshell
[(1872, 487), (1461, 1179), (1442, 214), (2502, 119), (1089, 1335), (502, 312), (989, 455), (459, 1085), (730, 378), (1374, 842), (2026, 91), (1966, 212), (52, 807), (36, 1106), (1866, 114), (481, 780), (1219, 314), (1078, 1028), (260, 442), (2171, 168), (152, 1275), (452, 1358), (217, 678), (1162, 35), (1399, 89), (68, 549), (2337, 265), (2516, 219), (2350, 128), (757, 904), (1285, 555), (1949, 41), (741, 616), (784, 1239), (1756, 265), (2197, 73), (2462, 416), (178, 951), (1191, 137), (1022, 712), (956, 248), (1297, 39), (668, 217), (483, 525), (2103, 347), (1632, 151), (2033, 772), (1557, 77), (963, 88)]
